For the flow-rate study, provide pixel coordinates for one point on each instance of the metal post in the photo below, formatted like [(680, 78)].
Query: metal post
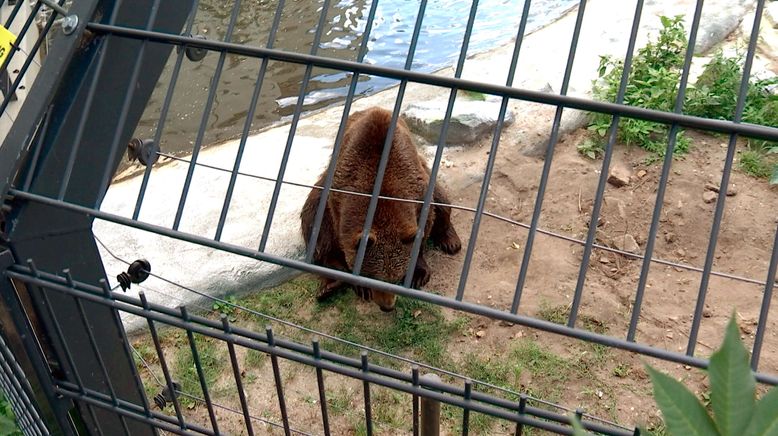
[(57, 239), (430, 410)]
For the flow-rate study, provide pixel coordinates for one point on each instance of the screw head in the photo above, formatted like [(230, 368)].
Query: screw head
[(69, 24)]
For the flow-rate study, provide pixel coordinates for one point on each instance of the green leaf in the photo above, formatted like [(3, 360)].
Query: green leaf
[(683, 413), (665, 21), (733, 388), (774, 178), (765, 419)]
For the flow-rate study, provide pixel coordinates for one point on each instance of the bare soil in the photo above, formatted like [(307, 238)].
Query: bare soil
[(614, 386)]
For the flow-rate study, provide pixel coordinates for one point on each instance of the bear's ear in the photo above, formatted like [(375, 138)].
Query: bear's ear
[(371, 238)]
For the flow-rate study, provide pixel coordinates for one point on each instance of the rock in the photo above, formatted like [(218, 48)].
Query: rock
[(480, 334), (470, 119), (572, 120), (771, 13), (642, 173), (504, 323), (680, 252), (709, 196), (627, 243), (719, 19), (669, 238), (604, 259), (619, 175), (731, 192), (707, 313)]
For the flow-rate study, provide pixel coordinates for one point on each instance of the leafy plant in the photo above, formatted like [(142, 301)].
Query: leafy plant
[(652, 83), (8, 425), (736, 410), (227, 307)]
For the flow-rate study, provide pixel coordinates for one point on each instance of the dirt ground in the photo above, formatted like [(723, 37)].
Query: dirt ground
[(614, 386)]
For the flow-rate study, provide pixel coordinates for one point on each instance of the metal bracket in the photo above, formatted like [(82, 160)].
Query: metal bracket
[(69, 21)]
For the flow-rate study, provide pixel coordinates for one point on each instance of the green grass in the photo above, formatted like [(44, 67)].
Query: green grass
[(213, 362), (254, 359), (416, 329), (755, 164)]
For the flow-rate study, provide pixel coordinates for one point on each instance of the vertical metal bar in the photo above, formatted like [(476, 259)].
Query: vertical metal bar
[(277, 378), (471, 244), (339, 137), (765, 309), (59, 408), (66, 349), (163, 112), (200, 375), (668, 160), (87, 108), (724, 185), (22, 33), (249, 121), (522, 411), (388, 144), (109, 169), (36, 151), (322, 393), (27, 61), (236, 373), (547, 162), (108, 294), (466, 410), (162, 362), (415, 380), (95, 349), (292, 129), (425, 208), (366, 390), (206, 114), (606, 161), (22, 384), (14, 12)]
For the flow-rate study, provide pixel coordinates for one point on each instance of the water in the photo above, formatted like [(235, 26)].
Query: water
[(438, 47)]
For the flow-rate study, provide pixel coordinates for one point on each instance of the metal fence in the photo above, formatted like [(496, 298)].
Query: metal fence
[(67, 366)]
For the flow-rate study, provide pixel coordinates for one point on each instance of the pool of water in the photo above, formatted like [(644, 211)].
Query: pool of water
[(439, 45)]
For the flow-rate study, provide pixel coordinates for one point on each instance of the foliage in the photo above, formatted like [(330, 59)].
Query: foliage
[(652, 84), (8, 425), (736, 410), (227, 307), (212, 363)]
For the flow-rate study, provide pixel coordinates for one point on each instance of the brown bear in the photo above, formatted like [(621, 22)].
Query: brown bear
[(395, 222)]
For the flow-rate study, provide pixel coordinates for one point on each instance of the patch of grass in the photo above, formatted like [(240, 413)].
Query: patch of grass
[(387, 408), (283, 301), (254, 359), (339, 401), (212, 361), (560, 314), (754, 163), (473, 95), (415, 327), (652, 83)]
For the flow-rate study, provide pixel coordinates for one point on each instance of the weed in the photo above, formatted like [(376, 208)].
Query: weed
[(227, 307), (622, 370), (473, 95), (212, 363), (387, 408), (753, 163), (652, 83)]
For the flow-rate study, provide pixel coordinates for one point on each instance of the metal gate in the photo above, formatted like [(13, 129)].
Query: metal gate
[(67, 365)]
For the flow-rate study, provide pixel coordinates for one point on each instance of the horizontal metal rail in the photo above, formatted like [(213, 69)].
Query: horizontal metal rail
[(353, 368), (395, 289), (745, 129)]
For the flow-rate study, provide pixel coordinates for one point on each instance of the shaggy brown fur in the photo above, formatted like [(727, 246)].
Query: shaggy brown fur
[(395, 223)]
